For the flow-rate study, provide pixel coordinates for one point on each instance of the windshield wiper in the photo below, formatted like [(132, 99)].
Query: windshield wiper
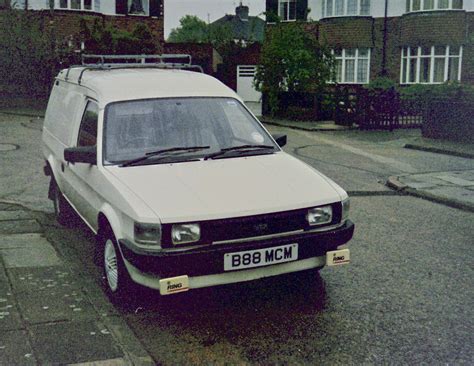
[(238, 148), (162, 151)]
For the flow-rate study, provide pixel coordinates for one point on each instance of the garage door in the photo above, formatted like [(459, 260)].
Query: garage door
[(245, 88)]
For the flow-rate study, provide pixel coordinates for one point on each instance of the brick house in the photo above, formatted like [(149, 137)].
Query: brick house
[(411, 41), (65, 16)]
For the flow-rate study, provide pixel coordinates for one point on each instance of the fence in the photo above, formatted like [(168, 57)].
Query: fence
[(347, 106), (381, 110)]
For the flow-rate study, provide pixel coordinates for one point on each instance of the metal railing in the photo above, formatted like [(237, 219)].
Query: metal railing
[(112, 62)]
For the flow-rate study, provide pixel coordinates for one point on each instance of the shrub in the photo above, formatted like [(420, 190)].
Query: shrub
[(30, 55), (381, 83)]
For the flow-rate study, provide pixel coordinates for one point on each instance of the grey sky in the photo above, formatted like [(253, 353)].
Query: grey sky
[(175, 9)]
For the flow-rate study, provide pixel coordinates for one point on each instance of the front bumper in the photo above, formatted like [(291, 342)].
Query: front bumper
[(205, 265)]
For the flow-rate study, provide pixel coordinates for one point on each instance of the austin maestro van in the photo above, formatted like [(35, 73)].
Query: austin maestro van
[(182, 185)]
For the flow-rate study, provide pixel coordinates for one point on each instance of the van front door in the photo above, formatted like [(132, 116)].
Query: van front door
[(85, 176)]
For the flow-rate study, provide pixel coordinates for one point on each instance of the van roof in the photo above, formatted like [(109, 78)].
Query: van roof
[(143, 83)]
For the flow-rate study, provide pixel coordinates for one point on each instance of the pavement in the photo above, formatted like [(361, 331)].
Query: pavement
[(49, 313), (305, 125)]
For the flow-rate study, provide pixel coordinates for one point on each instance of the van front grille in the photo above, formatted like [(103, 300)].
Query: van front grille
[(251, 226)]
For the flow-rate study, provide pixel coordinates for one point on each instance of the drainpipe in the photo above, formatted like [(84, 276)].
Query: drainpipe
[(384, 47)]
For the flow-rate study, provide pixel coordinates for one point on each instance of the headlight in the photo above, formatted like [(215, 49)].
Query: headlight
[(185, 233), (346, 204), (319, 215), (147, 233)]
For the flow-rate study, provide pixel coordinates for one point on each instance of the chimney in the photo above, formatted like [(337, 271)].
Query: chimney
[(242, 12)]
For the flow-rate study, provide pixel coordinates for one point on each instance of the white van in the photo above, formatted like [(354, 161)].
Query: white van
[(181, 183)]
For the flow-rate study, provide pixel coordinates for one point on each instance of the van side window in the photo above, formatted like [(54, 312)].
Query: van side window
[(88, 129)]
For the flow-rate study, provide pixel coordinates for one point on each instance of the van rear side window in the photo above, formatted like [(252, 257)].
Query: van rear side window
[(88, 129)]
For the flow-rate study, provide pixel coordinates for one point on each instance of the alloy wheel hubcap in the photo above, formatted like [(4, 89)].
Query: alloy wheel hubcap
[(110, 265)]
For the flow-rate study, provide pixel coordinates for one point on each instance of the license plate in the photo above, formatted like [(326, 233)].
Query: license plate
[(260, 257)]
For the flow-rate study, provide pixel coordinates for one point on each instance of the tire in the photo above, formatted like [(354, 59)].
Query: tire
[(62, 210), (117, 281)]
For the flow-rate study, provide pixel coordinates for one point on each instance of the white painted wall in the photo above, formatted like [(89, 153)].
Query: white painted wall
[(38, 4), (103, 6), (107, 7), (469, 5)]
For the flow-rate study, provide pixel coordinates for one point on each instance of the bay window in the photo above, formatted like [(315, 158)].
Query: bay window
[(337, 8), (76, 4), (352, 65), (430, 65), (426, 5)]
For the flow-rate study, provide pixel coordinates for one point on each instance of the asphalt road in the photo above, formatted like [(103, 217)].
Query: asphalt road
[(407, 297)]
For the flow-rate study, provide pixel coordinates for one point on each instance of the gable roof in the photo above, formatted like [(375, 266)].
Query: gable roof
[(243, 26)]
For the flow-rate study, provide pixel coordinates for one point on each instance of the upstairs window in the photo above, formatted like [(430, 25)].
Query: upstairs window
[(427, 5), (76, 4), (138, 7), (287, 10), (430, 65), (338, 8), (352, 65)]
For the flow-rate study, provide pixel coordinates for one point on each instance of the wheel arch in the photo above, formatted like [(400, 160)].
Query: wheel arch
[(108, 219)]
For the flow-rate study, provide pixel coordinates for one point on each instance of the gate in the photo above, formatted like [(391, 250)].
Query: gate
[(384, 110), (245, 88)]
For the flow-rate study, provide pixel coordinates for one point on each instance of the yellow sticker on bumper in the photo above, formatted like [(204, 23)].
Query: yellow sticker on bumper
[(174, 285), (338, 257)]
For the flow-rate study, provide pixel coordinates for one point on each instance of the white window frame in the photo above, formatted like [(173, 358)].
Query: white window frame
[(282, 16), (344, 14), (435, 6), (70, 8), (356, 60), (415, 53)]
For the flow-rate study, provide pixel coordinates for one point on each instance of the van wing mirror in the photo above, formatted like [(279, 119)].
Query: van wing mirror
[(81, 154), (280, 139)]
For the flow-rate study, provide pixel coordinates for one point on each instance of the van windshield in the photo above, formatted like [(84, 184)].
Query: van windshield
[(134, 128)]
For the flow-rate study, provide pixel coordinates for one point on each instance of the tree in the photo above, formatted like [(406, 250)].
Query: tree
[(30, 55), (292, 60), (104, 39), (192, 29), (195, 30)]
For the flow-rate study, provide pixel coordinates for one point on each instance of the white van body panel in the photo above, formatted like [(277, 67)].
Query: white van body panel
[(134, 84), (226, 188)]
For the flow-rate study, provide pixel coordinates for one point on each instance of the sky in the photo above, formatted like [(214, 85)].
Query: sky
[(214, 9)]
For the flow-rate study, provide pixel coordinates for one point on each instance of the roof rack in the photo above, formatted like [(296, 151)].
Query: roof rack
[(110, 62)]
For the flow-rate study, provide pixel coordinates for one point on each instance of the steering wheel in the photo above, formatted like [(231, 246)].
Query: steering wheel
[(137, 141)]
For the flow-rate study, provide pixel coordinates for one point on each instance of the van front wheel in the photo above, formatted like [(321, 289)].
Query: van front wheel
[(117, 280)]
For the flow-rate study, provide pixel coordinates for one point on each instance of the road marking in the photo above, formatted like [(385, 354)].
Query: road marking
[(403, 167)]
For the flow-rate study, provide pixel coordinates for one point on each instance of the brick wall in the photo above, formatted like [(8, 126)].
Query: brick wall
[(433, 28), (467, 72), (347, 32), (202, 54), (227, 71), (392, 49), (66, 25)]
